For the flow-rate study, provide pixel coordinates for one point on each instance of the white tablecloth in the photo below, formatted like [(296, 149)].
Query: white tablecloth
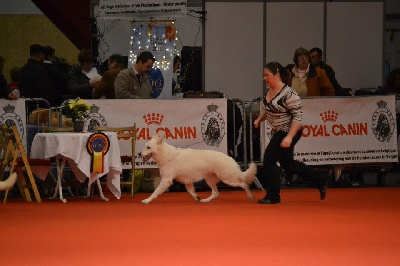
[(72, 146)]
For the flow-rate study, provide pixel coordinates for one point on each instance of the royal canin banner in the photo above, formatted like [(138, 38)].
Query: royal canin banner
[(185, 123), (12, 112), (346, 130)]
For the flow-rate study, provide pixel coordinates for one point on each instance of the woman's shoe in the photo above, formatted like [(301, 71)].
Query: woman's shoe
[(322, 189), (268, 201), (322, 192)]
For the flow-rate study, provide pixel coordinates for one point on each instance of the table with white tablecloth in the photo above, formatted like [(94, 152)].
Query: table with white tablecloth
[(72, 148)]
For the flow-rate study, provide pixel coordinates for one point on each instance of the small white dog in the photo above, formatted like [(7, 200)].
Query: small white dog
[(189, 166), (6, 184)]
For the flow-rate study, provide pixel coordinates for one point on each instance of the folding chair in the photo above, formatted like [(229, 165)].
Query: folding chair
[(126, 133), (4, 161), (15, 157)]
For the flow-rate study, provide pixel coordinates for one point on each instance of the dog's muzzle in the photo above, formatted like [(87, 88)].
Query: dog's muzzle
[(147, 157)]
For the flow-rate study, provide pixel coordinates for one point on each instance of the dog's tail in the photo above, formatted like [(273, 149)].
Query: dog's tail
[(9, 182), (250, 173)]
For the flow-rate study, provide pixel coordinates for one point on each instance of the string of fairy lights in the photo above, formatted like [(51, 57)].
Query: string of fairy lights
[(154, 36)]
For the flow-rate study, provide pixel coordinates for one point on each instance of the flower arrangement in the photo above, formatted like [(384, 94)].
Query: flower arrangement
[(77, 109)]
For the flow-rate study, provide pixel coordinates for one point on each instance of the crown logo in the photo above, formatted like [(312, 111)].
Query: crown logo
[(153, 118), (329, 116), (9, 108), (212, 108), (94, 109), (381, 104)]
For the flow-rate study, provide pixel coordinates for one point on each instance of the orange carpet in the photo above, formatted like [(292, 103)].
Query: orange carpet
[(353, 226)]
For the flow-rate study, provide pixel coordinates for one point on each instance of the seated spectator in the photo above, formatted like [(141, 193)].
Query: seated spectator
[(105, 88), (33, 78), (317, 61), (306, 79), (79, 76)]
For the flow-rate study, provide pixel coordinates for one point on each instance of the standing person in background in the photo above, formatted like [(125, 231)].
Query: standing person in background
[(306, 79), (134, 82), (56, 74), (34, 80), (316, 60), (105, 88), (78, 78), (282, 108), (14, 83), (4, 89)]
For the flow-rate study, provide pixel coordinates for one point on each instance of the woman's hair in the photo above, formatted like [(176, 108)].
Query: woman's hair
[(300, 51), (86, 56), (275, 67)]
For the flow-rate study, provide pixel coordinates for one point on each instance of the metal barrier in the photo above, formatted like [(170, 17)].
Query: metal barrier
[(253, 137), (250, 111), (238, 106), (31, 130), (43, 106)]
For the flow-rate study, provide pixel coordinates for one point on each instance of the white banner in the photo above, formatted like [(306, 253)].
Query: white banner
[(129, 9), (13, 112), (346, 130), (185, 123)]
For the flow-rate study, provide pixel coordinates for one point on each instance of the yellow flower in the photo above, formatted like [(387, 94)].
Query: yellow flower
[(77, 109)]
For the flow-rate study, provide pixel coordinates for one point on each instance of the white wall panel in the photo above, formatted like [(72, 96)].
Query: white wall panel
[(290, 26), (234, 49), (355, 43)]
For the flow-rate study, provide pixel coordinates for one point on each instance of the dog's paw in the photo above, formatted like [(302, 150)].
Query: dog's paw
[(204, 200), (145, 201)]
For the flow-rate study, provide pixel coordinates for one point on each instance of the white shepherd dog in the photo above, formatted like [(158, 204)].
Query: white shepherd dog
[(9, 182), (189, 166)]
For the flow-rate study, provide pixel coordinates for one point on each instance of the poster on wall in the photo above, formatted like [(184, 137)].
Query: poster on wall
[(130, 9), (157, 37)]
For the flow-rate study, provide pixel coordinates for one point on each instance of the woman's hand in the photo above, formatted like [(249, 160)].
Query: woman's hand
[(286, 142), (256, 123)]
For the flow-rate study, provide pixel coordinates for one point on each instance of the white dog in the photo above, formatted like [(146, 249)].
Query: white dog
[(189, 166), (6, 184)]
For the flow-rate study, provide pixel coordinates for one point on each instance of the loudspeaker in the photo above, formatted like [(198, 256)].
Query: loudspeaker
[(191, 68)]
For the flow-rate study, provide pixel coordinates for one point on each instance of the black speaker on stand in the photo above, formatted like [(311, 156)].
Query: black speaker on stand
[(191, 68)]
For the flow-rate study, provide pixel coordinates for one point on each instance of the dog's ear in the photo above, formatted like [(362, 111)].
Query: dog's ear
[(155, 136), (160, 139)]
